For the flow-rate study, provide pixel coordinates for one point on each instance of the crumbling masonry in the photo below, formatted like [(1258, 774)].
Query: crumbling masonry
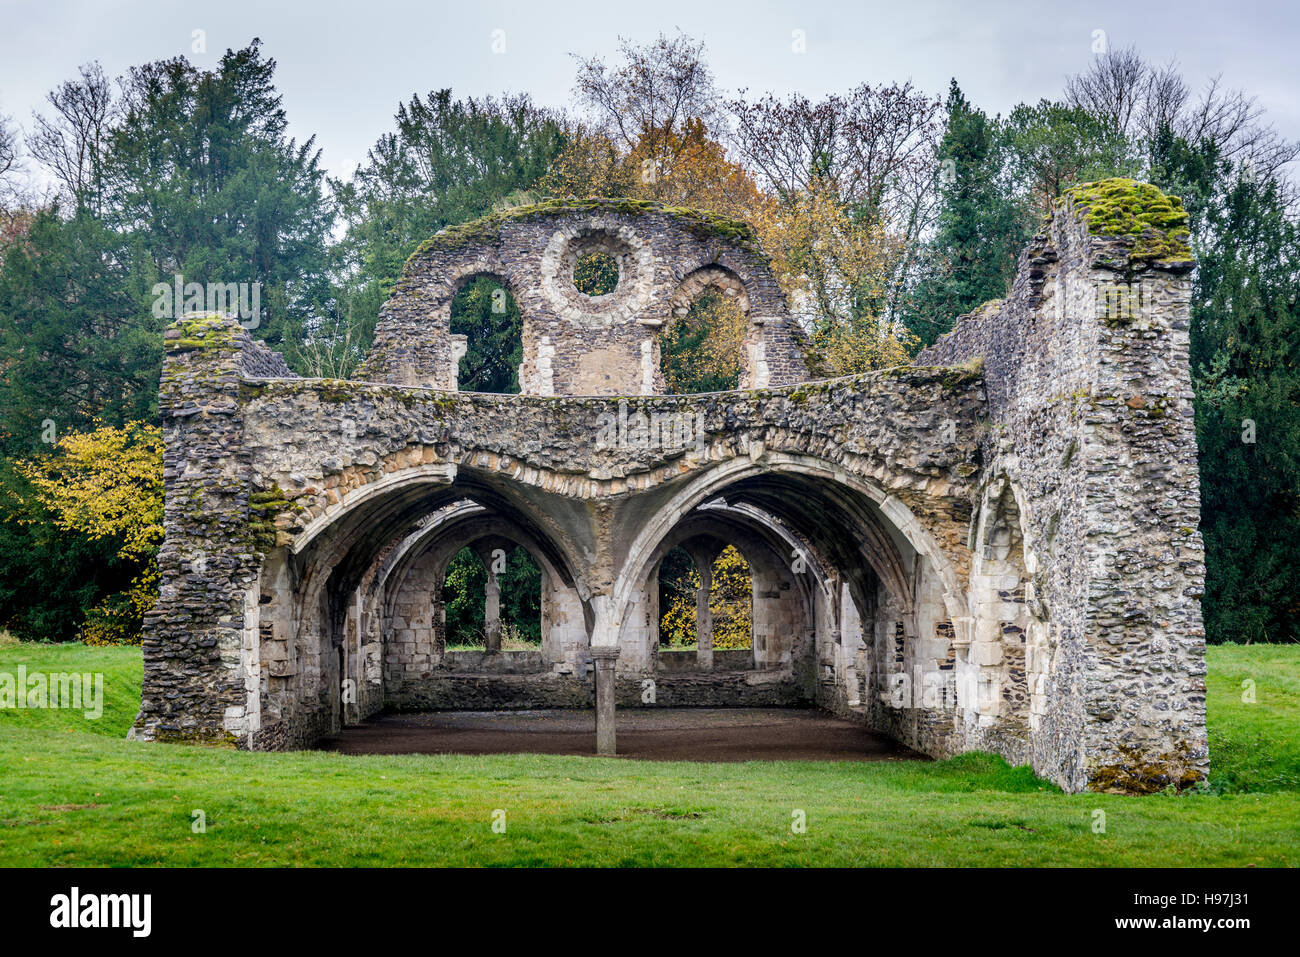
[(993, 549)]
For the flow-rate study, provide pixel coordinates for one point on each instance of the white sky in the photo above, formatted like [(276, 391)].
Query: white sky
[(344, 67)]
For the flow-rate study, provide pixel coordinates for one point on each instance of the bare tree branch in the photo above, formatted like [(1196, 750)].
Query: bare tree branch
[(72, 141), (1113, 89), (649, 98), (1136, 99)]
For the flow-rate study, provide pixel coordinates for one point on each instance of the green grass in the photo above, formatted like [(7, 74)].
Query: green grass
[(1254, 746), (75, 793)]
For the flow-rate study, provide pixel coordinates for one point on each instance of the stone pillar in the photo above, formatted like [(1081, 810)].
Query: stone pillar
[(459, 346), (492, 613), (704, 621), (202, 640), (703, 614), (604, 658), (491, 602)]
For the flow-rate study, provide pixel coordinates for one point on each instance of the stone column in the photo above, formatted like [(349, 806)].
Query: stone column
[(491, 603), (492, 614), (203, 639), (703, 614), (704, 623), (605, 658), (459, 346)]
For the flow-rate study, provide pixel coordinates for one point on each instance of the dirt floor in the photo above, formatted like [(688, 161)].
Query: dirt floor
[(662, 734)]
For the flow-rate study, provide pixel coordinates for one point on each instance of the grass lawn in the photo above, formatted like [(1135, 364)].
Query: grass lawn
[(73, 792)]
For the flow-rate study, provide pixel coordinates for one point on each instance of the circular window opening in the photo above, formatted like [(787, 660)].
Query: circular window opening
[(595, 274)]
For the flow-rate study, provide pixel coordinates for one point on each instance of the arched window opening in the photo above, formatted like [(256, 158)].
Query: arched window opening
[(464, 597), (1001, 660), (488, 317), (678, 583), (493, 600), (728, 617), (702, 350)]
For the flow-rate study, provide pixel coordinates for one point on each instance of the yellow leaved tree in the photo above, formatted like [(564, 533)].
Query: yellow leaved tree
[(730, 604), (107, 484), (731, 600), (834, 268)]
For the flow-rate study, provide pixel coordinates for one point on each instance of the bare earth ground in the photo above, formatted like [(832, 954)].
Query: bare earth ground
[(661, 734)]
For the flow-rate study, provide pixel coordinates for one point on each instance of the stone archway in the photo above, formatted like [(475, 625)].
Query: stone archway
[(1003, 669), (878, 513)]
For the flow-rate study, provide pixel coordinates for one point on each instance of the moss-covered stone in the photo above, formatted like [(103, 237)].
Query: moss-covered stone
[(263, 509), (950, 377), (201, 736), (1124, 208), (487, 229), (209, 331), (1138, 772)]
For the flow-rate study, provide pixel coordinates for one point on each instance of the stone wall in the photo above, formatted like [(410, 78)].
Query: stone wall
[(1092, 445), (579, 479), (994, 549)]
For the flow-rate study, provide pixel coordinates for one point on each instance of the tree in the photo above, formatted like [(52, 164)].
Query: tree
[(1194, 173), (463, 595), (49, 579), (489, 317), (678, 582), (8, 147), (107, 487), (701, 351), (590, 164), (872, 149), (1113, 89), (646, 102), (1051, 147), (447, 162), (834, 268), (77, 337), (200, 172), (731, 601), (875, 146), (17, 206), (73, 142), (521, 598), (1246, 366), (1134, 100), (980, 228)]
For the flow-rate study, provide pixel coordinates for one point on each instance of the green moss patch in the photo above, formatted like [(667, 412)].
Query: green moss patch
[(203, 332), (699, 222), (1125, 208), (263, 507)]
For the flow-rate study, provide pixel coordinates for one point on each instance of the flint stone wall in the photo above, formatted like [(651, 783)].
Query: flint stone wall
[(1090, 402)]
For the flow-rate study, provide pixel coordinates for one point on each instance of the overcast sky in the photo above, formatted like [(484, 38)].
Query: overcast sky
[(344, 66)]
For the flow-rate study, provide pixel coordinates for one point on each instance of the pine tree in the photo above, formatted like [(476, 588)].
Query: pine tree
[(980, 230), (1246, 365), (200, 171)]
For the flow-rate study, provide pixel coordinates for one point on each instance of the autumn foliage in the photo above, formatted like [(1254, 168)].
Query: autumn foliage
[(108, 485)]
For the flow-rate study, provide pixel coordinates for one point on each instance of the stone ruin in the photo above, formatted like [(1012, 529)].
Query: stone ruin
[(994, 549)]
